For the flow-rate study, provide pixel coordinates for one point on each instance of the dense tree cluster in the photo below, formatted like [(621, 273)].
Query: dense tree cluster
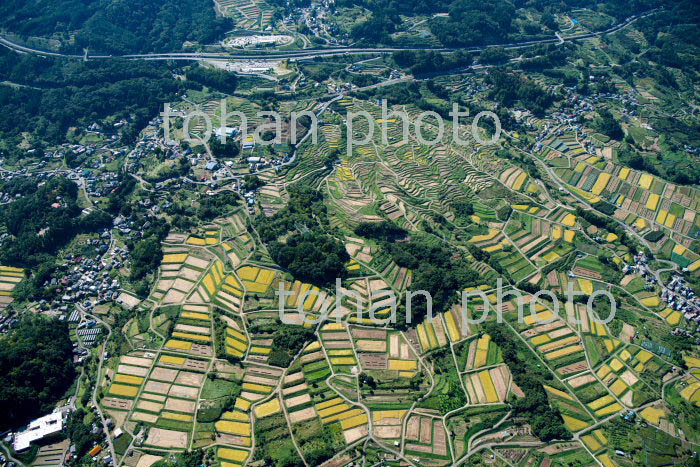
[(423, 62), (54, 94), (474, 22), (385, 231), (305, 210), (43, 221), (510, 88), (36, 369), (287, 341), (219, 80), (312, 257), (116, 27), (607, 125), (436, 269)]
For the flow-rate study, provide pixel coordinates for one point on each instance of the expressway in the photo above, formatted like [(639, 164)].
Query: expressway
[(318, 52)]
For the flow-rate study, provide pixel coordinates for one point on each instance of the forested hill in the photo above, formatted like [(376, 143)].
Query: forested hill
[(115, 26), (36, 369), (476, 22)]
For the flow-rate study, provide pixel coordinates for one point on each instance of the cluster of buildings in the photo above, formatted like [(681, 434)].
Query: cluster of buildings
[(680, 297), (87, 278)]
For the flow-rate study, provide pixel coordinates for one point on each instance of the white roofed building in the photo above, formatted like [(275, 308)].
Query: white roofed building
[(38, 429)]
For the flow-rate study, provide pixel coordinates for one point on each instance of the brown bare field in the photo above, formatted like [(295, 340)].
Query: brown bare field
[(183, 391), (252, 396), (334, 336), (629, 378), (419, 448), (440, 332), (294, 377), (406, 352), (196, 308), (439, 438), (116, 403), (297, 400), (293, 389), (189, 274), (164, 374), (259, 380), (149, 406), (376, 361), (192, 364), (195, 329), (136, 361), (560, 447), (173, 296), (311, 357), (153, 397), (197, 262), (581, 380), (387, 431), (183, 285), (542, 329), (372, 346), (628, 332), (426, 430), (156, 387), (178, 405), (144, 417), (262, 342), (337, 344), (354, 434), (379, 334), (579, 271), (302, 415), (377, 284), (132, 370), (167, 438), (189, 379), (234, 440), (627, 398), (147, 460), (476, 384), (573, 368), (201, 350), (560, 332), (394, 346), (413, 428), (515, 389), (501, 378), (471, 355)]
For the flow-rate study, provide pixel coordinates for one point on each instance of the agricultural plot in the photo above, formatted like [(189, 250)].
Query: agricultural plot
[(235, 341), (556, 342), (178, 275), (216, 382), (488, 386), (256, 280), (9, 278), (643, 200), (426, 439), (483, 352)]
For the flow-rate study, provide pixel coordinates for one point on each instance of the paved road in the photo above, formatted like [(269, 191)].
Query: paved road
[(318, 52)]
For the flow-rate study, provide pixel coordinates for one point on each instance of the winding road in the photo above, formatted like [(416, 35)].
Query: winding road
[(318, 52)]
